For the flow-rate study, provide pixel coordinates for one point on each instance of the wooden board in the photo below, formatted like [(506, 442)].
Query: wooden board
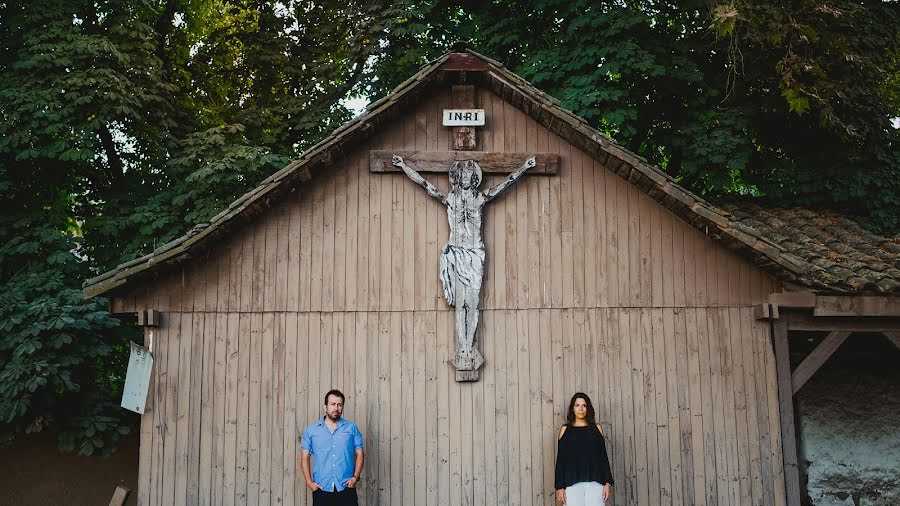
[(496, 162), (120, 496), (816, 358), (145, 456), (893, 337), (786, 412), (208, 327)]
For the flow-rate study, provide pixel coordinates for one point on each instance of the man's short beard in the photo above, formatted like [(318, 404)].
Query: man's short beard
[(333, 418)]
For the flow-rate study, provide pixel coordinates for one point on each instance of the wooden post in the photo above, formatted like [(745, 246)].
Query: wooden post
[(120, 496), (894, 337), (463, 97), (786, 412), (814, 360)]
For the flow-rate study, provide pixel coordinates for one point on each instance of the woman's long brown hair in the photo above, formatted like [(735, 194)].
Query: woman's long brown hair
[(591, 415)]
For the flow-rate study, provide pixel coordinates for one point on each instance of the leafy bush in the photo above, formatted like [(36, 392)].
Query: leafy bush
[(60, 355)]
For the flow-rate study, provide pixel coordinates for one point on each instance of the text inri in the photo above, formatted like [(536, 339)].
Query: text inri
[(463, 117)]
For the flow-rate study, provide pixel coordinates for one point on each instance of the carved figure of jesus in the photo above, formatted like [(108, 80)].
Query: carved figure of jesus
[(462, 261)]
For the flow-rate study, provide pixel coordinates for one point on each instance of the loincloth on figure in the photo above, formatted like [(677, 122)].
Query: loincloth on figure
[(463, 266)]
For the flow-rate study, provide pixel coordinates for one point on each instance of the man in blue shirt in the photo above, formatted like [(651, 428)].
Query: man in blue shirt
[(336, 446)]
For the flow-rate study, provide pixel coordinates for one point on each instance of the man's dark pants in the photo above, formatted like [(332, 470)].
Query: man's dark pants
[(346, 497)]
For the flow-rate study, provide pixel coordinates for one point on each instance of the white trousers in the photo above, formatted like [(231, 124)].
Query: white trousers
[(585, 493)]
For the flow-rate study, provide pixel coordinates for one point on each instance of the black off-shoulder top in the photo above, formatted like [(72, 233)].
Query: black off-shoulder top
[(582, 456)]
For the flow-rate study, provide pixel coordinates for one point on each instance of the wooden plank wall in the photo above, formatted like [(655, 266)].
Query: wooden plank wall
[(358, 241), (686, 394), (590, 286)]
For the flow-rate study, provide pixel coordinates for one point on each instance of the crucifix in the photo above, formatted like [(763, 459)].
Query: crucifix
[(462, 259)]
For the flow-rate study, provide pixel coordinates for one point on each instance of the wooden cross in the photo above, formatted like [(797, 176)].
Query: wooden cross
[(463, 257), (441, 161), (465, 144), (463, 97)]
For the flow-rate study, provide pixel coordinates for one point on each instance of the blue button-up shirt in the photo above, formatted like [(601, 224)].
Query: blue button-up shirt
[(333, 452)]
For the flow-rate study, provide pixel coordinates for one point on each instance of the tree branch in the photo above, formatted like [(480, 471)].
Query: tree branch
[(334, 95), (351, 81), (163, 26), (112, 156)]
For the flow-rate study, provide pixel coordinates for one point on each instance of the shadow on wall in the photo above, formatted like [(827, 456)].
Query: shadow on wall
[(34, 473), (849, 425)]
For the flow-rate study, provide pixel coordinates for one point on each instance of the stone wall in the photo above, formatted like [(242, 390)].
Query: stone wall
[(849, 424)]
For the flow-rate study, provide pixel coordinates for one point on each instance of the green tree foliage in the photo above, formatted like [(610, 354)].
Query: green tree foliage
[(826, 76), (124, 124), (58, 106), (642, 72), (787, 100), (59, 365)]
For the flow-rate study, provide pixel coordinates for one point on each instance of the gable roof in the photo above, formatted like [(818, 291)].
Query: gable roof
[(837, 251), (465, 65)]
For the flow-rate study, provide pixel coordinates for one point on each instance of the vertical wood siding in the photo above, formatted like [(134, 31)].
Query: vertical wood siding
[(590, 286), (358, 241), (682, 393)]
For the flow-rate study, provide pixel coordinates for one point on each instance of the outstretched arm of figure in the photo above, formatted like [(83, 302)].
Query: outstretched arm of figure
[(419, 180), (496, 191)]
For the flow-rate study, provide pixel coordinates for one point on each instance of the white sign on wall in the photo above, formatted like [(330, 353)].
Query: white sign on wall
[(137, 379), (463, 117)]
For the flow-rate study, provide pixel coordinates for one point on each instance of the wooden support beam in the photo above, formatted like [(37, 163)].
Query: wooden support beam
[(441, 161), (463, 97), (762, 311), (800, 321), (148, 339), (148, 318), (786, 412), (793, 299), (766, 312), (856, 306), (814, 360), (120, 496), (894, 337)]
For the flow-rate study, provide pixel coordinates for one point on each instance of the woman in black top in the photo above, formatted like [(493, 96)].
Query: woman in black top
[(583, 477)]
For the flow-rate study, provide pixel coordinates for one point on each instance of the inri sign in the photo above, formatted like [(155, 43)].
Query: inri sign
[(463, 117)]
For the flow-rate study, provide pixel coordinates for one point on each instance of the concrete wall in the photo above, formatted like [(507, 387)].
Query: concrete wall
[(849, 425)]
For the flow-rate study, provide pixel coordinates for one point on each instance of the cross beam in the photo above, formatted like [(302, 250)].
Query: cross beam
[(814, 360), (441, 161), (894, 337)]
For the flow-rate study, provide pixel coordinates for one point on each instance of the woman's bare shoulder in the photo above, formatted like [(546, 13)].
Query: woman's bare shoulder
[(562, 430)]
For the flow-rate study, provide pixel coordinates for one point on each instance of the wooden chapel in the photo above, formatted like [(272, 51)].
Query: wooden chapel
[(603, 275)]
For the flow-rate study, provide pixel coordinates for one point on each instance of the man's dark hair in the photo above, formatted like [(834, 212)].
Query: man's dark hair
[(570, 415), (336, 393)]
